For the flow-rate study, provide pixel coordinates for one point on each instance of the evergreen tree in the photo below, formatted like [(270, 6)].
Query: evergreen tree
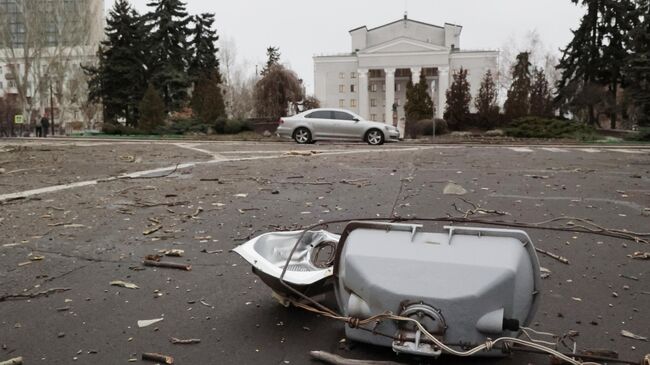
[(638, 67), (541, 102), (204, 61), (459, 98), (273, 58), (207, 98), (596, 55), (152, 108), (170, 52), (418, 104), (518, 102), (275, 90), (119, 78), (486, 101)]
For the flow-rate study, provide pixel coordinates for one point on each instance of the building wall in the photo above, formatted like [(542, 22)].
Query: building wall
[(476, 64), (329, 76)]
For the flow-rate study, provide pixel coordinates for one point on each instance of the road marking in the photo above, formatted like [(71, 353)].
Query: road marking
[(554, 149), (623, 150), (216, 160), (521, 149), (589, 150)]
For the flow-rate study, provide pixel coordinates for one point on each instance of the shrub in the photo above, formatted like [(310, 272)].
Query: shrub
[(121, 130), (425, 127), (183, 126), (642, 135), (535, 127), (234, 126)]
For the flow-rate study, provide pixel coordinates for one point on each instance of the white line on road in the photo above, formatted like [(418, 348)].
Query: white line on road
[(589, 150), (162, 170), (623, 150), (554, 149), (521, 149)]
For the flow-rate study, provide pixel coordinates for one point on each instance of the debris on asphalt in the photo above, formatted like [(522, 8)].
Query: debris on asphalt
[(124, 284), (189, 341), (301, 153), (148, 322), (241, 195), (151, 356), (640, 255), (454, 189), (332, 359), (544, 272), (169, 265), (631, 335), (14, 361), (152, 230), (173, 252), (205, 250), (561, 259)]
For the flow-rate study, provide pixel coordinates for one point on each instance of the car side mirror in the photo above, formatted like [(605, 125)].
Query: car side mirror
[(356, 119)]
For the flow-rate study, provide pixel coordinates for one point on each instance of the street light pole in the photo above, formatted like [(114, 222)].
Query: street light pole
[(51, 108)]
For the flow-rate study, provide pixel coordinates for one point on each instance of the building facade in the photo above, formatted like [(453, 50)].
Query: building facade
[(43, 44), (371, 80)]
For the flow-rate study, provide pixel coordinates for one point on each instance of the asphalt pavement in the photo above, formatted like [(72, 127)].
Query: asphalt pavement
[(77, 215)]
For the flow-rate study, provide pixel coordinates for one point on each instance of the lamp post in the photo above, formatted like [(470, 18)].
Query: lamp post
[(51, 108)]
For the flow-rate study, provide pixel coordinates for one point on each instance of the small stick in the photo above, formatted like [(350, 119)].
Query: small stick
[(32, 295), (158, 357), (189, 341), (14, 361), (561, 259), (169, 265), (328, 358)]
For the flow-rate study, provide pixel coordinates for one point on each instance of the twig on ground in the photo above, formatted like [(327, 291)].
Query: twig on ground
[(189, 341), (561, 259), (32, 295), (476, 209), (329, 358)]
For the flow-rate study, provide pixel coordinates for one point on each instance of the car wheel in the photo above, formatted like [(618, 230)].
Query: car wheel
[(375, 137), (302, 135)]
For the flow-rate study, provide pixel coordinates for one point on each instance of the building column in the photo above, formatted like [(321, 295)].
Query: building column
[(415, 74), (364, 103), (443, 84), (390, 94)]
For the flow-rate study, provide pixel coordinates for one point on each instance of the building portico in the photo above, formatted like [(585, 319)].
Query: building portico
[(372, 79)]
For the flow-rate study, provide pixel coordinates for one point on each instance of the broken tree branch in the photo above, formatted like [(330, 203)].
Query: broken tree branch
[(561, 259), (14, 361), (169, 265), (32, 295), (189, 341)]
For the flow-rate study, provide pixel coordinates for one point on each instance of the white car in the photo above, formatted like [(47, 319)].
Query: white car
[(326, 124)]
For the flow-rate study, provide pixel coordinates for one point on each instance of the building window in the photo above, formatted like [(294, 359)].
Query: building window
[(0, 70), (383, 87), (376, 73), (341, 75), (341, 103), (373, 117), (353, 75), (373, 102), (353, 103), (373, 88), (11, 84), (352, 88), (398, 87), (341, 88), (1, 87)]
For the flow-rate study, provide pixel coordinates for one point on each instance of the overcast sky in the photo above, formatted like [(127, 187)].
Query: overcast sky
[(304, 28)]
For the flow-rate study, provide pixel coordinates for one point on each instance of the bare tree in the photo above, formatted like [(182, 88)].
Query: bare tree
[(239, 81), (42, 41)]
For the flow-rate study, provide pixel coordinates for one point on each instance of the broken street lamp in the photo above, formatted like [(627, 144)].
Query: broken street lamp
[(420, 293)]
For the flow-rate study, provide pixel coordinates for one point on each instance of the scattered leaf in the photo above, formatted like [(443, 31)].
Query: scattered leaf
[(124, 284)]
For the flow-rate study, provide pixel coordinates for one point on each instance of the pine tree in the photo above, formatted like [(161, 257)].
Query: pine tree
[(152, 108), (207, 99), (518, 102), (204, 61), (273, 58), (459, 98), (638, 67), (119, 80), (418, 104), (486, 101), (168, 39), (596, 55), (541, 102)]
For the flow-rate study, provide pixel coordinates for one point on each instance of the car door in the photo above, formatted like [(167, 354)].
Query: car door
[(347, 125), (320, 122)]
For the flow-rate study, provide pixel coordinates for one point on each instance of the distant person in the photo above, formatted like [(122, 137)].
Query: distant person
[(39, 128), (45, 126)]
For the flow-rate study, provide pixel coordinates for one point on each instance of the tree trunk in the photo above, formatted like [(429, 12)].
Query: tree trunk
[(592, 118), (614, 115)]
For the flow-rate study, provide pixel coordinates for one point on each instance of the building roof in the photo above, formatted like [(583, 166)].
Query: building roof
[(401, 20)]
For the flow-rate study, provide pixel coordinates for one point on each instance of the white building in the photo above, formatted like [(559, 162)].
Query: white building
[(43, 44), (383, 59)]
